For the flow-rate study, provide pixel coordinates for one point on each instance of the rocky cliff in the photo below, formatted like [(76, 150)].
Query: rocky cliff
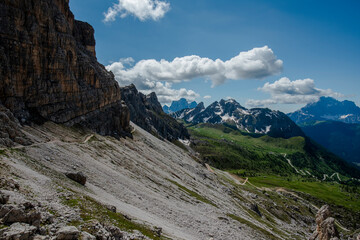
[(146, 111), (49, 69)]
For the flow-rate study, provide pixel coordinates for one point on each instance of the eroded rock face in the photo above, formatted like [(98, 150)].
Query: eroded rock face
[(9, 129), (325, 229), (146, 112), (49, 69)]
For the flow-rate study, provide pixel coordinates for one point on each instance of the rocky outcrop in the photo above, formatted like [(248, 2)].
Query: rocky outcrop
[(146, 112), (9, 129), (325, 229), (49, 69)]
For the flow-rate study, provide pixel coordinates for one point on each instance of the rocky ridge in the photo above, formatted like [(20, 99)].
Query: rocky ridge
[(49, 69), (256, 120), (146, 112)]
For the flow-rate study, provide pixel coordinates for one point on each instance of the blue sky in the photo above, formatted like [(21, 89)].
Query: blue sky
[(318, 43)]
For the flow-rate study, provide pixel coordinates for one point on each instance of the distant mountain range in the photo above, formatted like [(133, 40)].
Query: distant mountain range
[(230, 112), (334, 125), (326, 109), (179, 105)]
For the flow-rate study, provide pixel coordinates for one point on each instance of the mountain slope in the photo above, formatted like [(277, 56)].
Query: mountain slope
[(257, 120), (179, 105), (340, 138), (147, 180), (327, 108)]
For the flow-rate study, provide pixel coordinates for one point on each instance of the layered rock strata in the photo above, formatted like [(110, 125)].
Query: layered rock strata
[(49, 69)]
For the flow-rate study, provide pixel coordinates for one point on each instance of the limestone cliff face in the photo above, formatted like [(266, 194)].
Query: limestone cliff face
[(146, 112), (49, 69)]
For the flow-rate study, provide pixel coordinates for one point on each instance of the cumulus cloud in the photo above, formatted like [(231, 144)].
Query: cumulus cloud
[(285, 91), (256, 63), (142, 9), (207, 97), (166, 94)]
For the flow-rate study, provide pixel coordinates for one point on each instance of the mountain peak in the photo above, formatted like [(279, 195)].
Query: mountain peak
[(259, 120), (327, 108), (181, 104)]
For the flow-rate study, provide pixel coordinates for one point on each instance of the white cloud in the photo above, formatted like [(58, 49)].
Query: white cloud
[(152, 75), (207, 97), (285, 91), (257, 63), (164, 91), (166, 94), (142, 9)]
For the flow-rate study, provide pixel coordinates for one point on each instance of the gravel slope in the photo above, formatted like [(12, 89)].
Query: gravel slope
[(150, 180)]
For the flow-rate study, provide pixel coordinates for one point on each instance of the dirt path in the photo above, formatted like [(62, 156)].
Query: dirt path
[(88, 138), (209, 168)]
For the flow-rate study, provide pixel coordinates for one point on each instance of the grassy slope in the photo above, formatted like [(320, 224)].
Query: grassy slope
[(262, 158), (227, 148), (329, 192)]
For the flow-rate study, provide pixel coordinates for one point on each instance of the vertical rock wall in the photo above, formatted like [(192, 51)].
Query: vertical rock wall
[(49, 70)]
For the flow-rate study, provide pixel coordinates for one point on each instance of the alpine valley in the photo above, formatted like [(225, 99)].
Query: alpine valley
[(84, 158), (333, 124)]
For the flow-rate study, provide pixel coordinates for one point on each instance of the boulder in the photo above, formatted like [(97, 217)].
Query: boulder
[(4, 209), (15, 215), (67, 233), (78, 177), (115, 232), (18, 231), (87, 236), (255, 208), (4, 198), (12, 214)]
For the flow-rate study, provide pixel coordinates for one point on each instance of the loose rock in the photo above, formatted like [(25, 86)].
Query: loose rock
[(87, 236), (78, 177), (67, 233), (4, 198), (18, 231)]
